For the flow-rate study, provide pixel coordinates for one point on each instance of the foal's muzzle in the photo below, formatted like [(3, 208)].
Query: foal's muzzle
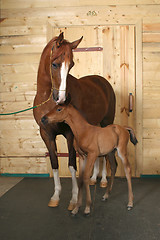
[(44, 120)]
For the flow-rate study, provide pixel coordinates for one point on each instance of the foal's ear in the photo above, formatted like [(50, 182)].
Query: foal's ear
[(76, 43), (68, 99), (59, 39)]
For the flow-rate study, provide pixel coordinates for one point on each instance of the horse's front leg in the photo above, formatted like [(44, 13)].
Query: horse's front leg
[(72, 168), (51, 146)]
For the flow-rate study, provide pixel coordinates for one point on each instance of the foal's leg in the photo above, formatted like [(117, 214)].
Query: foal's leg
[(113, 165), (80, 185), (122, 153), (51, 145), (91, 158), (72, 168)]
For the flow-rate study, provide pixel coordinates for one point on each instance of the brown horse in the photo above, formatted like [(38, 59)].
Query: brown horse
[(93, 141), (92, 95)]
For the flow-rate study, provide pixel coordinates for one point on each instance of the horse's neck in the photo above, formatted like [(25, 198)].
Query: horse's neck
[(43, 77), (77, 123)]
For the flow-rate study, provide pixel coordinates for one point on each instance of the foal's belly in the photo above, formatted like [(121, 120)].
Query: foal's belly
[(107, 143)]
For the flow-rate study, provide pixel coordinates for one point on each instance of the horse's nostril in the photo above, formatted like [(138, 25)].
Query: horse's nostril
[(55, 95), (44, 120)]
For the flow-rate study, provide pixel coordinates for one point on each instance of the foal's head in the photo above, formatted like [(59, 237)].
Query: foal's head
[(61, 61), (58, 114)]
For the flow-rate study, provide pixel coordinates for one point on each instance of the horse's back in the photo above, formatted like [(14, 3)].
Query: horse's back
[(103, 96), (94, 97)]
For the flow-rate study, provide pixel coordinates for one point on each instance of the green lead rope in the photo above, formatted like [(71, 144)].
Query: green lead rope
[(27, 109)]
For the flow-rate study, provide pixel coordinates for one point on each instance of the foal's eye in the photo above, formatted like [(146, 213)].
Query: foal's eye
[(55, 65), (59, 109)]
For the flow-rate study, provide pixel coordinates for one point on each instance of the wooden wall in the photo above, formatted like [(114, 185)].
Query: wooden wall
[(24, 31)]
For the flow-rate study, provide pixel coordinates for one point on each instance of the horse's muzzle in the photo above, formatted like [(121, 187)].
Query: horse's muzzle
[(44, 120), (55, 95)]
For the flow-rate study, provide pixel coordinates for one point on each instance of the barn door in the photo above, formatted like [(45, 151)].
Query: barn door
[(108, 51)]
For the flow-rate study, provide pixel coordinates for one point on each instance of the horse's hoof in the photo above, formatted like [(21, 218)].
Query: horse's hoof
[(71, 206), (53, 203), (129, 208), (87, 214), (92, 182), (103, 184)]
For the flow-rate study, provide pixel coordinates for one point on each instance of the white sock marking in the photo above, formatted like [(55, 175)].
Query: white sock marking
[(57, 184), (74, 185)]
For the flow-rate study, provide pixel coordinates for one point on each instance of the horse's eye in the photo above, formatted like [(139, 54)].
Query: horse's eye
[(59, 109), (54, 65)]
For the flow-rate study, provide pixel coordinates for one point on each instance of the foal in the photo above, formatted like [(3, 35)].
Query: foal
[(92, 141)]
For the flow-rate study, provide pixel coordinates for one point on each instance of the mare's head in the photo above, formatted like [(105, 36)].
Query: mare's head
[(61, 61), (58, 114)]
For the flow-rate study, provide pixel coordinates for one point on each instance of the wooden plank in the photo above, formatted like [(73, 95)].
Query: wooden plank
[(151, 123), (23, 165), (22, 48), (22, 30), (151, 57), (23, 40), (151, 165), (151, 148), (151, 133), (21, 68), (151, 27), (151, 113), (8, 4), (132, 12), (151, 37), (151, 78), (20, 58), (25, 77), (151, 47)]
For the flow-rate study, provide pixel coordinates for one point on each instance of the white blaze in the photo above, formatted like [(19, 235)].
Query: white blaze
[(62, 89)]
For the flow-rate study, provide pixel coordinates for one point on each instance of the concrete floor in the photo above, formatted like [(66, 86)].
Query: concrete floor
[(6, 183), (24, 213)]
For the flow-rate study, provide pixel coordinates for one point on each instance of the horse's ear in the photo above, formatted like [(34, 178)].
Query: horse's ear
[(59, 39), (76, 43)]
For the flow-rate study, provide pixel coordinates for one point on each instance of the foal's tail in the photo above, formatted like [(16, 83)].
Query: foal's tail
[(132, 135)]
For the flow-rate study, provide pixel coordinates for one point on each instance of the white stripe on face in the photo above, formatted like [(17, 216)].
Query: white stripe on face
[(62, 89)]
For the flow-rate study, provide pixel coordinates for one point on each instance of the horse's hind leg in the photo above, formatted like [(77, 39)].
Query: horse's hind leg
[(113, 165), (93, 179), (103, 183), (122, 153), (51, 146)]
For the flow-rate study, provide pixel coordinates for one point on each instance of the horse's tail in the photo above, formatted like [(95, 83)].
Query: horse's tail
[(133, 138)]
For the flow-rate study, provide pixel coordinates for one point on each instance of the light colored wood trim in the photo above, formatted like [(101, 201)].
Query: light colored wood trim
[(139, 101)]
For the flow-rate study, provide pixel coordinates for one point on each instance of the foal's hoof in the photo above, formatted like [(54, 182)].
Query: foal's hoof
[(53, 203), (104, 199), (103, 184), (92, 182), (129, 208), (71, 206)]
